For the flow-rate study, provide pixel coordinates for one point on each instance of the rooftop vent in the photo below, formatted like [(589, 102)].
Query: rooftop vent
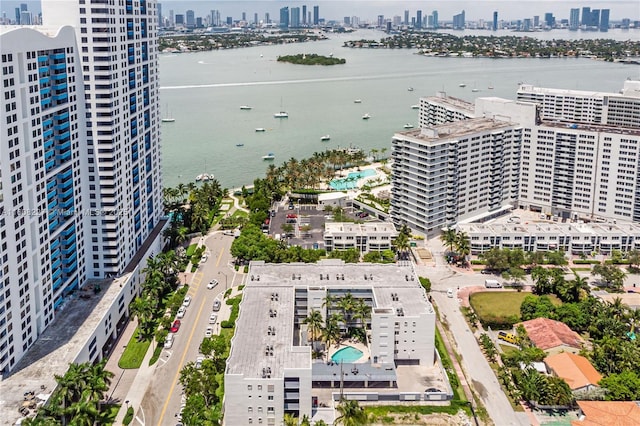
[(371, 276), (400, 312), (366, 277), (271, 331), (273, 313), (268, 351), (321, 277), (342, 277), (252, 277), (274, 297)]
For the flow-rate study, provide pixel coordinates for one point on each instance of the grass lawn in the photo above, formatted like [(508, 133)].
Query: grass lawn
[(240, 213), (134, 353), (501, 304), (191, 249), (507, 349)]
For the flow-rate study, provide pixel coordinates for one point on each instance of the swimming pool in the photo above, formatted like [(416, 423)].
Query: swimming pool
[(351, 181), (347, 354)]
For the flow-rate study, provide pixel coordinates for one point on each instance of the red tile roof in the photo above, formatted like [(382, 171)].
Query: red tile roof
[(576, 370), (608, 413), (547, 334)]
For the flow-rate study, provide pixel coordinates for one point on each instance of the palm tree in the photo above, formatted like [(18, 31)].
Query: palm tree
[(449, 237), (306, 421), (346, 304), (351, 414), (98, 381), (331, 332), (463, 247), (401, 243), (290, 420), (315, 323)]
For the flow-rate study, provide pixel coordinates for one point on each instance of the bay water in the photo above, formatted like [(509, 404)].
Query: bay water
[(203, 92)]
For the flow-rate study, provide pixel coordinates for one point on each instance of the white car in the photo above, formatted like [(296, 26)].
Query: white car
[(208, 332), (199, 361), (168, 341), (181, 312), (204, 258), (213, 318), (187, 301), (212, 284), (216, 305)]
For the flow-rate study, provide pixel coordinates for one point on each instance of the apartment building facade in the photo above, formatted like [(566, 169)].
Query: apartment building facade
[(365, 237), (42, 183), (118, 46)]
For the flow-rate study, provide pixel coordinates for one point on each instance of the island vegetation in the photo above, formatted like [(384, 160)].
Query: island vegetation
[(198, 42), (448, 45), (311, 59)]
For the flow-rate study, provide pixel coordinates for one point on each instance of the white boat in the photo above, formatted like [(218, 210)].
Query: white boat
[(408, 126), (410, 89), (415, 106), (204, 177), (245, 107), (357, 101), (490, 87), (168, 118), (281, 114), (269, 156), (462, 85), (260, 129), (325, 138), (366, 116), (475, 90)]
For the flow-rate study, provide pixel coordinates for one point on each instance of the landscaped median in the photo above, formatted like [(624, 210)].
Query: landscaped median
[(134, 353)]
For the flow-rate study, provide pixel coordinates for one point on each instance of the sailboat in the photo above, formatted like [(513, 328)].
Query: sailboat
[(168, 118), (282, 113)]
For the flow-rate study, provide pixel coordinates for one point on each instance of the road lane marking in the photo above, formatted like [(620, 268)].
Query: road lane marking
[(177, 375), (219, 257)]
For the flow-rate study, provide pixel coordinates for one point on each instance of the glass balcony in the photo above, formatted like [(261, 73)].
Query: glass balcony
[(43, 58), (66, 174), (55, 253), (47, 134), (57, 273), (44, 80), (61, 97), (60, 76), (54, 244), (56, 284), (61, 66), (57, 56), (69, 249), (60, 86), (43, 70), (50, 165), (67, 205), (56, 264)]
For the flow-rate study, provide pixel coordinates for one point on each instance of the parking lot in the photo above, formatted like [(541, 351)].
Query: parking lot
[(307, 223)]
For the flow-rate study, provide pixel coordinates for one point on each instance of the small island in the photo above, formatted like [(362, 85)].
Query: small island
[(311, 59)]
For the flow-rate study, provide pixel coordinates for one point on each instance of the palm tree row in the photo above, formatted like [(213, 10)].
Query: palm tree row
[(161, 277), (78, 397)]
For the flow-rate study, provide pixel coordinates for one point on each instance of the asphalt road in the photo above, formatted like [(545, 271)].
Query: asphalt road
[(476, 367), (162, 399)]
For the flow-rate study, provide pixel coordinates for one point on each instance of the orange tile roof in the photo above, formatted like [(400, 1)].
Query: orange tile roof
[(608, 413), (547, 334), (576, 370)]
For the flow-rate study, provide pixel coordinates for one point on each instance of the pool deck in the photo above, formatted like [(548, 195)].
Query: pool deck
[(357, 184)]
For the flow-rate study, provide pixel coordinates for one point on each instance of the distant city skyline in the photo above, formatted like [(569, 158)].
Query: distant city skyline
[(368, 10)]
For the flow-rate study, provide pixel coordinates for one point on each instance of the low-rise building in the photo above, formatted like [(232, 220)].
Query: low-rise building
[(552, 336), (366, 237), (574, 369), (270, 370)]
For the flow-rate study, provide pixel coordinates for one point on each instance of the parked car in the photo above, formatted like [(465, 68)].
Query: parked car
[(273, 213), (212, 284), (292, 216), (176, 326), (213, 318), (204, 258), (199, 361), (181, 312), (187, 301), (216, 305), (507, 337), (449, 292), (208, 332), (168, 341)]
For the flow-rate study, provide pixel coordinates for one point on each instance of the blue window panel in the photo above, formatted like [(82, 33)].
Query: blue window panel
[(47, 123), (69, 249), (55, 253), (149, 207), (56, 264), (60, 76), (46, 135), (44, 69), (57, 56), (61, 66), (43, 58), (45, 91), (67, 205), (54, 244), (56, 284), (66, 174), (51, 184), (50, 165), (53, 226)]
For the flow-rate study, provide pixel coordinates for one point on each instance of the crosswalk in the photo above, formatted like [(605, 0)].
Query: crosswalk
[(195, 283)]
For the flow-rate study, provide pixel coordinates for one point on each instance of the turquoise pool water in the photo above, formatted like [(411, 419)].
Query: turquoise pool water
[(347, 354), (351, 181)]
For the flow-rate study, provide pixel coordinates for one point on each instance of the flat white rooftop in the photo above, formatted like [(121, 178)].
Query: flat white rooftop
[(359, 228), (269, 301), (456, 129)]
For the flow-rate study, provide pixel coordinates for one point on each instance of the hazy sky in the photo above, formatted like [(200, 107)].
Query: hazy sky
[(370, 9)]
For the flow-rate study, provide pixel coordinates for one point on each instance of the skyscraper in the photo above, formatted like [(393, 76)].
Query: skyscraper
[(459, 21), (418, 19), (494, 27), (406, 17), (284, 18), (304, 14), (574, 19), (17, 11), (43, 184), (549, 20), (604, 20), (316, 15), (586, 16), (160, 20), (295, 17), (123, 125), (435, 19), (191, 19)]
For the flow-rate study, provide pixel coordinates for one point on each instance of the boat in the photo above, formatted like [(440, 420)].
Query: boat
[(462, 85), (204, 177), (239, 144), (366, 116), (410, 89), (490, 87), (475, 90), (408, 126), (269, 156), (357, 101), (415, 106), (325, 138), (260, 129), (282, 113), (245, 107), (168, 118)]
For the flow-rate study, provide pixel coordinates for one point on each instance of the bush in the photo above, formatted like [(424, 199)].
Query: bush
[(586, 262), (128, 417), (426, 283), (478, 262)]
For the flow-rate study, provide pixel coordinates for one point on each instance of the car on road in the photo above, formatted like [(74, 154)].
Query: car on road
[(212, 284), (208, 332), (213, 318), (449, 292), (216, 305), (168, 341), (187, 301), (175, 326), (273, 213), (204, 258), (199, 361), (181, 312)]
